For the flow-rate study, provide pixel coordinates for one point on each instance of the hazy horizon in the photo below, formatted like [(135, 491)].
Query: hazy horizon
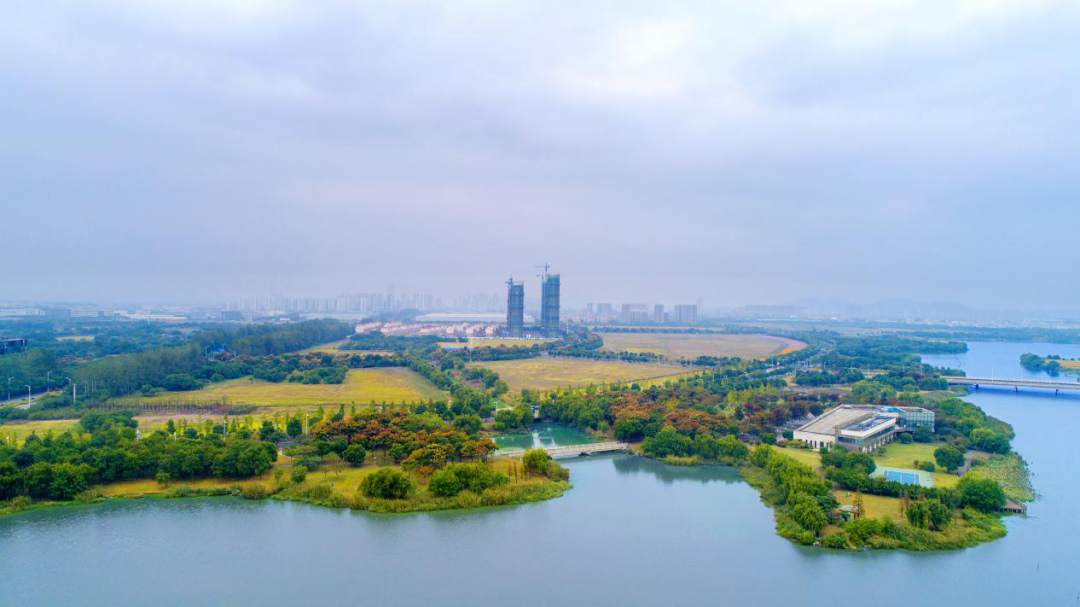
[(744, 154)]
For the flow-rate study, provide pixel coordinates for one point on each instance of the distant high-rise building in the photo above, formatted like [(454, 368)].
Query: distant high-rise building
[(658, 314), (632, 312), (605, 311), (549, 304), (515, 308), (686, 314)]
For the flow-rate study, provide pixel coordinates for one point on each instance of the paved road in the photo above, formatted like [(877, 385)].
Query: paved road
[(21, 399)]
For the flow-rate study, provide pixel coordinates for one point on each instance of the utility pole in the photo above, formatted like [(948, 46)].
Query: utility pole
[(27, 394), (9, 387), (48, 381), (74, 392)]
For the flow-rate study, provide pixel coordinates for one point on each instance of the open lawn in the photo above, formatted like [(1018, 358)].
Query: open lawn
[(545, 373), (361, 387), (899, 455), (809, 457), (874, 505), (692, 345), (18, 431), (74, 337)]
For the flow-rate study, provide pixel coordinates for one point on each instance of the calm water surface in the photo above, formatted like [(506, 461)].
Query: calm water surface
[(543, 435), (631, 532)]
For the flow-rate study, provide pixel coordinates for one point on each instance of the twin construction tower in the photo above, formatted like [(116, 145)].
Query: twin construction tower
[(549, 305)]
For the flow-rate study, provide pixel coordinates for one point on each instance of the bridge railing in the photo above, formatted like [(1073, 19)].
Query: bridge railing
[(582, 449), (1012, 381)]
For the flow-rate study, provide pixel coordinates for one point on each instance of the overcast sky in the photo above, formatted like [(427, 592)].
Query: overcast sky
[(743, 152)]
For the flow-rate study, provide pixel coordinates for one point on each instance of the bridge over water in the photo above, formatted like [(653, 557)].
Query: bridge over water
[(572, 450), (1015, 384)]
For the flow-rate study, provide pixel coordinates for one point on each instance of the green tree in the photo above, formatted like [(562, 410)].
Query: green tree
[(986, 439), (938, 514), (535, 461), (949, 457), (918, 514), (666, 442), (355, 454), (294, 427), (857, 460), (469, 424), (983, 494), (808, 513)]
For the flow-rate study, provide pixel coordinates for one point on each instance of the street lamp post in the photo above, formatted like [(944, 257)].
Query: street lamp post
[(48, 381), (9, 387), (28, 395)]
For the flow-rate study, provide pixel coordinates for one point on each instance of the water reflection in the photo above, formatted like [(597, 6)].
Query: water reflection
[(627, 465), (543, 435)]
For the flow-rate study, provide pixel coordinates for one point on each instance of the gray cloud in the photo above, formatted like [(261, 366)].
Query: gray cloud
[(739, 152)]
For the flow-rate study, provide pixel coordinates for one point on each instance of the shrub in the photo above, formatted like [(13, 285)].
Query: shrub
[(444, 483), (906, 438), (387, 483), (298, 474), (676, 460), (467, 499), (496, 496), (309, 462), (473, 477), (556, 472), (837, 540), (253, 492)]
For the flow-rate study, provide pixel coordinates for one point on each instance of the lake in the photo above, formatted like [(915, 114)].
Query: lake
[(543, 435), (632, 531)]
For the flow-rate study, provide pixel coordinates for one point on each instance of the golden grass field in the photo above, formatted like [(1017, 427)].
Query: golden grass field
[(692, 345), (545, 373), (1070, 364), (74, 337), (874, 505), (361, 387)]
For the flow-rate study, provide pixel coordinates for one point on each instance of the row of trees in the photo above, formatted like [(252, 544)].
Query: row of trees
[(120, 375), (60, 467)]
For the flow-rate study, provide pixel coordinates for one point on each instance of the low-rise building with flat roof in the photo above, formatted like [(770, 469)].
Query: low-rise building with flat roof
[(862, 427)]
